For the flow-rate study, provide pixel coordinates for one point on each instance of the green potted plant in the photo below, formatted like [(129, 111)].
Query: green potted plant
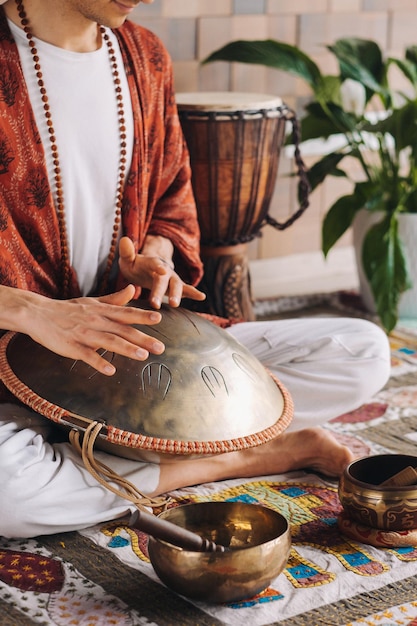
[(378, 127)]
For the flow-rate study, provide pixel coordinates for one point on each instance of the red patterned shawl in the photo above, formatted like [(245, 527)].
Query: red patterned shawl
[(158, 197)]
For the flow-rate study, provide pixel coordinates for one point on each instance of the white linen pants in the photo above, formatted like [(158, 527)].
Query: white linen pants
[(329, 365)]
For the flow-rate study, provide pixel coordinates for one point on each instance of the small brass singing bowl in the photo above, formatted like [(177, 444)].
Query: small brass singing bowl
[(257, 541), (368, 502)]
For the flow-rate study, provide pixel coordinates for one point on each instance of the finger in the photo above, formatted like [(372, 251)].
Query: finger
[(97, 312), (162, 283), (120, 298), (176, 291), (94, 360), (185, 291), (192, 292), (127, 251), (130, 342), (138, 350)]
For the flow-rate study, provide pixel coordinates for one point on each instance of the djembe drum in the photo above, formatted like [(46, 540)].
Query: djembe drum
[(234, 141)]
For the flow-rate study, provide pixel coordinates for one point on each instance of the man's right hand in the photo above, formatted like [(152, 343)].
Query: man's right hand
[(79, 327)]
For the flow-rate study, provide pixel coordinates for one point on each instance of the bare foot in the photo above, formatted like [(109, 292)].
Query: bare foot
[(325, 454), (311, 448)]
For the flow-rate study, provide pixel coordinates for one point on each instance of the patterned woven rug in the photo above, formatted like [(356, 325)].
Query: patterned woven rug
[(103, 576)]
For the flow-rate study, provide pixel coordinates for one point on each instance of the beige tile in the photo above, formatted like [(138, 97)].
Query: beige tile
[(181, 40), (296, 6), (345, 6), (327, 61), (186, 76), (215, 7), (397, 80), (282, 203), (178, 36), (253, 249), (251, 7), (317, 31), (283, 28), (144, 11), (250, 26), (278, 83), (286, 168), (195, 8), (215, 77), (332, 189), (251, 78), (307, 229), (376, 5), (213, 32), (389, 5), (275, 243), (180, 8), (403, 31)]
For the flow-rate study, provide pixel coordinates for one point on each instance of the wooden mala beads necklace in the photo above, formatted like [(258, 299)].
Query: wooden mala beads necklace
[(59, 191)]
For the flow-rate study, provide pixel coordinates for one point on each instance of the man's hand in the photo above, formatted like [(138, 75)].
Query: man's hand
[(154, 270), (77, 328)]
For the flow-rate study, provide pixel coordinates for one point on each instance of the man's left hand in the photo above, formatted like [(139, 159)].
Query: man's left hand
[(153, 269)]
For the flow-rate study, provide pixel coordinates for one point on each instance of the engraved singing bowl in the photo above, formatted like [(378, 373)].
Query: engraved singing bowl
[(368, 502), (206, 394), (259, 542)]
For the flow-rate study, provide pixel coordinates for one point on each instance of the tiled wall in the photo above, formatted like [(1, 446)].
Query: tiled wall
[(191, 29)]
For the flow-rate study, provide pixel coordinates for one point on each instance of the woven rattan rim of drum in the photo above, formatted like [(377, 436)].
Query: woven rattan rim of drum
[(128, 439)]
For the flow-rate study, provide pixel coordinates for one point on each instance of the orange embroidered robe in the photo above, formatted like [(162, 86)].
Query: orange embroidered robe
[(158, 197)]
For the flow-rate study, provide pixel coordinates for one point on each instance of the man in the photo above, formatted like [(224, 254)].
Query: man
[(96, 205)]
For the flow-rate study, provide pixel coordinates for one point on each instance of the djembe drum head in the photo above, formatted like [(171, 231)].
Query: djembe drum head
[(206, 394)]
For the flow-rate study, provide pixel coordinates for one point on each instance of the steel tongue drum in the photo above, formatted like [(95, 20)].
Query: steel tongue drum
[(205, 395)]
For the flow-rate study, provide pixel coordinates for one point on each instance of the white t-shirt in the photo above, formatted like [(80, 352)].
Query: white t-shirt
[(84, 113)]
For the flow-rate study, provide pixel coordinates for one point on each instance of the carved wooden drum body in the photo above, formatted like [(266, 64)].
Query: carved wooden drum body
[(234, 140)]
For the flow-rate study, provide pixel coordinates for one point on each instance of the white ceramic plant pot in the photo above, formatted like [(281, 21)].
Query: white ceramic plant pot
[(361, 224), (407, 229)]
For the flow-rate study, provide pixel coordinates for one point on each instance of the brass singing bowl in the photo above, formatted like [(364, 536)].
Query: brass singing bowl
[(258, 541), (368, 502), (206, 394)]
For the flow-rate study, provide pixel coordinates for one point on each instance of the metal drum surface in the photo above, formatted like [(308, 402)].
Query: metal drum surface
[(206, 394)]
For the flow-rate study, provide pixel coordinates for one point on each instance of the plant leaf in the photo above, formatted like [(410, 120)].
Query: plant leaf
[(361, 60), (338, 219), (385, 267), (327, 166), (270, 53), (330, 117), (411, 55), (329, 90), (401, 124), (313, 127)]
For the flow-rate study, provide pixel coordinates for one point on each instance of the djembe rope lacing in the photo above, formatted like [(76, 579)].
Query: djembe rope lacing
[(105, 475)]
